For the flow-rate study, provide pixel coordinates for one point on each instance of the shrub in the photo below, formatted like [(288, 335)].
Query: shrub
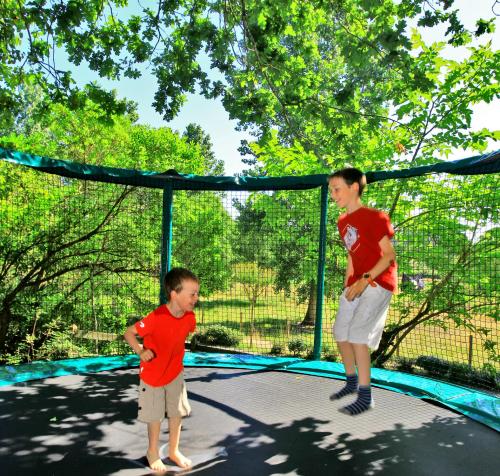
[(276, 349), (297, 346), (487, 377), (114, 348), (459, 372), (331, 356), (60, 345), (404, 364), (216, 335), (441, 368)]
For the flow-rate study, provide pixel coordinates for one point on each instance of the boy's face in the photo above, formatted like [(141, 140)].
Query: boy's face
[(341, 193), (187, 297)]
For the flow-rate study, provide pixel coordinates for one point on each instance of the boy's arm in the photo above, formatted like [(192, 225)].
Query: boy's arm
[(130, 336), (348, 271), (387, 258)]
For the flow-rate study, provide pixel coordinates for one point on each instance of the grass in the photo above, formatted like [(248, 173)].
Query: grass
[(452, 343), (277, 319)]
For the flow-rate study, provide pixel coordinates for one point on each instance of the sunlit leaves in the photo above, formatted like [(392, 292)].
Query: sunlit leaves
[(305, 69), (60, 235)]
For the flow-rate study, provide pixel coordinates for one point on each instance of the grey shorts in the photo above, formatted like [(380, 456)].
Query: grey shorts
[(157, 402), (362, 320)]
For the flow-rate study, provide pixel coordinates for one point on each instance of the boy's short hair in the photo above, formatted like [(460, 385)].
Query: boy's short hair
[(174, 278), (351, 175)]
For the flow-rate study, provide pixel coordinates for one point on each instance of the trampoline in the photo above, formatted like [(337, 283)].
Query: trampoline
[(244, 422)]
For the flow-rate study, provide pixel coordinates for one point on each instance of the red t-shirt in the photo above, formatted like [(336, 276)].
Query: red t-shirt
[(361, 231), (165, 335)]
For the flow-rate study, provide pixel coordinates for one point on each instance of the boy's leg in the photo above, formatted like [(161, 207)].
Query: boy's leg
[(152, 412), (174, 434), (341, 327), (363, 362), (364, 401), (365, 332), (348, 358), (177, 408), (153, 453)]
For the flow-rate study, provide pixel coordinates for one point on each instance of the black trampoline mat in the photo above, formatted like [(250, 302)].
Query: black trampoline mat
[(244, 422)]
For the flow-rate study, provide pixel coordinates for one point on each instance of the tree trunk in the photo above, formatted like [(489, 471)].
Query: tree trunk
[(5, 317), (310, 317), (380, 356)]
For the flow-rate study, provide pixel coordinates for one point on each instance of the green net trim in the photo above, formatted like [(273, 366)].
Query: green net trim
[(480, 164)]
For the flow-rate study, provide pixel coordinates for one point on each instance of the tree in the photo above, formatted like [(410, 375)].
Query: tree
[(427, 121), (450, 238), (63, 238), (194, 134), (292, 221), (202, 237), (321, 83), (255, 280), (284, 62), (41, 262)]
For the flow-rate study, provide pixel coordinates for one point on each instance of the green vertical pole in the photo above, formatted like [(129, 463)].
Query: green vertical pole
[(166, 239), (318, 326)]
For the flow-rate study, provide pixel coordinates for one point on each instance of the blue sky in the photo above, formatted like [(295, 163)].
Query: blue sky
[(212, 117)]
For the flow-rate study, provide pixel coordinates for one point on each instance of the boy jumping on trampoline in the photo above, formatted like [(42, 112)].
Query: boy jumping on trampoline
[(162, 390), (370, 280)]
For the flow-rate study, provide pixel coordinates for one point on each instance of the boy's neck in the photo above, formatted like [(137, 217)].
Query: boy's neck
[(354, 205), (174, 310)]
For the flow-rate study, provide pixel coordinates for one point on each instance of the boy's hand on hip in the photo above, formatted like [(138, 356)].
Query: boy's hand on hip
[(146, 355), (356, 289)]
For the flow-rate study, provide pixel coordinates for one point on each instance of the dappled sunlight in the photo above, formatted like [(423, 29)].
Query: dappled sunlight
[(245, 422)]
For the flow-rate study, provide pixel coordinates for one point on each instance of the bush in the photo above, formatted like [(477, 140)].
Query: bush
[(297, 346), (276, 349), (489, 376), (441, 368), (404, 364), (114, 348), (459, 372), (331, 356), (60, 345), (310, 354), (216, 335)]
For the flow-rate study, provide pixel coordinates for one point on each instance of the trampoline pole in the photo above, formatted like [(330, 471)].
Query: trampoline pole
[(318, 323), (166, 241)]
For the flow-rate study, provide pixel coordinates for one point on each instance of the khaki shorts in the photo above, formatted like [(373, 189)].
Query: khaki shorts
[(157, 402), (362, 320)]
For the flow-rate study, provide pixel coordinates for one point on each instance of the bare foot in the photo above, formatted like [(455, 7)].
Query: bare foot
[(155, 462), (180, 460)]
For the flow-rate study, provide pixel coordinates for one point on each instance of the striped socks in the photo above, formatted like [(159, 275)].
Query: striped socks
[(351, 386), (363, 403)]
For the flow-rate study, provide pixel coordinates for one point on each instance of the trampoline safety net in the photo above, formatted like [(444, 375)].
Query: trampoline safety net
[(83, 249)]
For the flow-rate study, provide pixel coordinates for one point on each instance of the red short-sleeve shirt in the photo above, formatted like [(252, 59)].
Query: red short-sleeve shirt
[(165, 335), (361, 232)]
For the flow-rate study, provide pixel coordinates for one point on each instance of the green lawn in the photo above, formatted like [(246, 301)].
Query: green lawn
[(277, 317)]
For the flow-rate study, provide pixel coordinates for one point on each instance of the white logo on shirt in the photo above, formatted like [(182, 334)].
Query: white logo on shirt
[(141, 324), (350, 237)]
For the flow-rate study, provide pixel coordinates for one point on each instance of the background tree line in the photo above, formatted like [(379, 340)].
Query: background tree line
[(319, 84)]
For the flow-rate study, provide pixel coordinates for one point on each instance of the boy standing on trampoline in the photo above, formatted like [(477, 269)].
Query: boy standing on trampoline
[(162, 390), (370, 281)]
